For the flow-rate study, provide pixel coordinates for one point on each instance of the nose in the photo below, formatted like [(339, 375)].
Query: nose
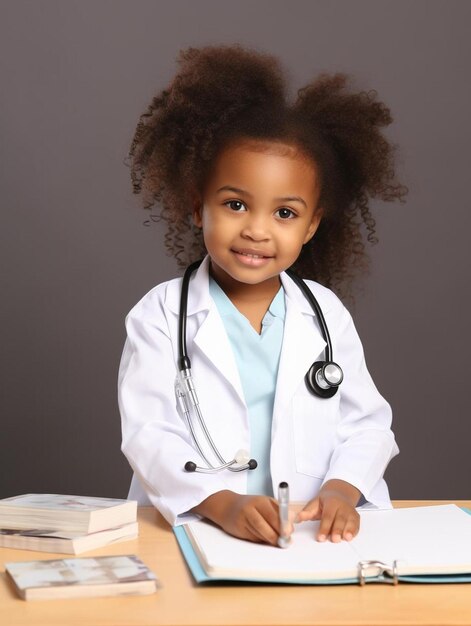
[(255, 228)]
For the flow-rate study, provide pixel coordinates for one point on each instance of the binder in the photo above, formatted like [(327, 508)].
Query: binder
[(433, 545)]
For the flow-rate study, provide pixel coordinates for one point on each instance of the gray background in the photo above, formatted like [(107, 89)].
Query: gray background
[(75, 255)]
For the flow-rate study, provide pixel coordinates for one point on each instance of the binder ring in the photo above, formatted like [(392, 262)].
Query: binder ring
[(385, 573)]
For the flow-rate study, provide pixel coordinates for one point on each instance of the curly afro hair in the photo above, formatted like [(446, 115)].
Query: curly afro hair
[(225, 93)]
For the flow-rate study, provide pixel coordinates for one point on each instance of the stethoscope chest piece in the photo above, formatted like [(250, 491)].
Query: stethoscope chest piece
[(324, 378)]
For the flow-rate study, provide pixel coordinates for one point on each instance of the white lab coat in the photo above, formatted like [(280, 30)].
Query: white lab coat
[(346, 437)]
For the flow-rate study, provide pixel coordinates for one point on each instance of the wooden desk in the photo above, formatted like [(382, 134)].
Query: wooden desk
[(181, 602)]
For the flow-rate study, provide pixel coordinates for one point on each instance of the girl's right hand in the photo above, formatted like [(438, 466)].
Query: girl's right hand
[(254, 518)]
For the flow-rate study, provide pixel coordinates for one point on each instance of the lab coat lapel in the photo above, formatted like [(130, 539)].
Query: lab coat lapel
[(302, 339), (210, 337), (302, 345), (213, 341)]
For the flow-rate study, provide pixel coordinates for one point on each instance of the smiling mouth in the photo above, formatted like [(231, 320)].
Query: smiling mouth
[(252, 255)]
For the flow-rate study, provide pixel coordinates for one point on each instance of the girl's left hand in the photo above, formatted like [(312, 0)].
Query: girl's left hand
[(335, 507)]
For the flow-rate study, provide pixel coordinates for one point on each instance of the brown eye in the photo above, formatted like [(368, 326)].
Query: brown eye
[(286, 214), (235, 205)]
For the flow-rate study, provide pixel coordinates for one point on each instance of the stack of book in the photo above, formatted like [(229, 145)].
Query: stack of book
[(65, 524)]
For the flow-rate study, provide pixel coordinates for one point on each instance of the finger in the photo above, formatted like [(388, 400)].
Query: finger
[(344, 525), (311, 511), (263, 520), (327, 520), (259, 527), (338, 526), (249, 535), (351, 527)]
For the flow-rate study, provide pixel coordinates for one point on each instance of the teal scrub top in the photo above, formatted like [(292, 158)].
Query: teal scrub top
[(257, 357)]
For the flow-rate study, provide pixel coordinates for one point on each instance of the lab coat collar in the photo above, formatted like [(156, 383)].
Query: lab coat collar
[(199, 298), (302, 340), (295, 296), (211, 337)]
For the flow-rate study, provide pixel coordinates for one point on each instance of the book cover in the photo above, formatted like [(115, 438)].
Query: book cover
[(83, 514), (63, 542), (74, 578)]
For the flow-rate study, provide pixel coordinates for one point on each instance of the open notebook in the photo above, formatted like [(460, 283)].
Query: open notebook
[(419, 544)]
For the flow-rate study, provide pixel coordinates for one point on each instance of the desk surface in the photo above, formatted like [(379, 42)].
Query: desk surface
[(180, 601)]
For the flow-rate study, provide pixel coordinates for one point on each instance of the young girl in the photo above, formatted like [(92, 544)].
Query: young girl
[(257, 185)]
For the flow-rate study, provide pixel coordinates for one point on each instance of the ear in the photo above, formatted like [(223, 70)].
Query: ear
[(197, 210), (197, 216), (314, 225)]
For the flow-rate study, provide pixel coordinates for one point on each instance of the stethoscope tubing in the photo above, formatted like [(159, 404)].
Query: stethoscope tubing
[(186, 411), (185, 386), (318, 311), (183, 359)]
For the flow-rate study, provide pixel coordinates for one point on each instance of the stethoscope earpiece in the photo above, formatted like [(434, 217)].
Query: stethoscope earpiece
[(324, 378)]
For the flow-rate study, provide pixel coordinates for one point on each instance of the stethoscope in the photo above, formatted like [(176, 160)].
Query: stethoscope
[(322, 379)]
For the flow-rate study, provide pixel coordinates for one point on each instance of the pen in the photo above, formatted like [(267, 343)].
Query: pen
[(283, 509)]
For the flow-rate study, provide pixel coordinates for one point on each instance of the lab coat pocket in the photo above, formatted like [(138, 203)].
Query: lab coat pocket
[(314, 433)]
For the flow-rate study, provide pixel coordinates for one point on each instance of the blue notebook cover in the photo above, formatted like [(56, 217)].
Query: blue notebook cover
[(200, 575)]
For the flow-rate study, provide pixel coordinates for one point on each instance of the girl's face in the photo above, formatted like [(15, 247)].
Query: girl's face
[(258, 208)]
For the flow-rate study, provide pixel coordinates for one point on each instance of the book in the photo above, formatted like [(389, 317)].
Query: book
[(64, 542), (81, 514), (418, 544), (76, 578)]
